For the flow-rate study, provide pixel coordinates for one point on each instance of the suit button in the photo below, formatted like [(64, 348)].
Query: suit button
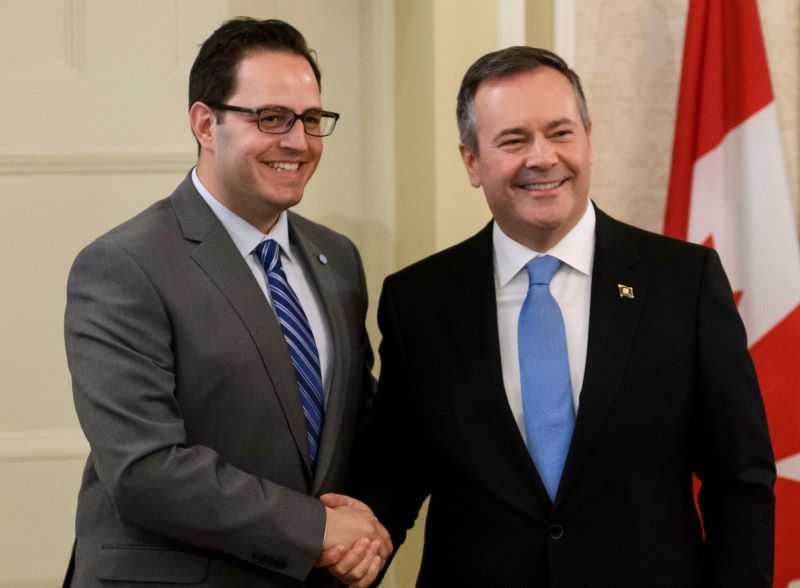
[(555, 532)]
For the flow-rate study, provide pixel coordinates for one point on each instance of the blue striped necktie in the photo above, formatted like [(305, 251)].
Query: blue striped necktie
[(544, 375), (299, 339)]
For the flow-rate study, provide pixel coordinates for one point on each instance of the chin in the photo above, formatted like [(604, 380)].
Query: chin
[(546, 221), (292, 200)]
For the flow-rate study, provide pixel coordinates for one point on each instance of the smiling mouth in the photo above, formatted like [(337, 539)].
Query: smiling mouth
[(285, 165), (541, 187)]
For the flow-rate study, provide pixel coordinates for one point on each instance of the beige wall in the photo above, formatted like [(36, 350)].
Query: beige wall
[(95, 129)]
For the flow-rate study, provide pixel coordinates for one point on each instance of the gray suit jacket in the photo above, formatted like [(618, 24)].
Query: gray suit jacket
[(199, 469)]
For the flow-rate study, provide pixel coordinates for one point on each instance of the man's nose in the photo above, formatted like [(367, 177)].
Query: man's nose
[(541, 154), (295, 137)]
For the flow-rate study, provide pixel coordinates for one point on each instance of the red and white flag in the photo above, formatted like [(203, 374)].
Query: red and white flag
[(729, 190)]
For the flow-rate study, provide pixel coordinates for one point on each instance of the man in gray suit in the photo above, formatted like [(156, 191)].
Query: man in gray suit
[(220, 426)]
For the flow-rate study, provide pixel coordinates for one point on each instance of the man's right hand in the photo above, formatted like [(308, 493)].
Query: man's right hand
[(356, 545)]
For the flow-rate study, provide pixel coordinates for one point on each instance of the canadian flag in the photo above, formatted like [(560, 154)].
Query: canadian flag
[(729, 190)]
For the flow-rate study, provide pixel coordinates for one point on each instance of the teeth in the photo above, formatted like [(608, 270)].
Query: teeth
[(548, 186), (283, 165)]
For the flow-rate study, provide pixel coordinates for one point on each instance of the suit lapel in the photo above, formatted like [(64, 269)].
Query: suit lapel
[(325, 283), (218, 257), (612, 324), (478, 394)]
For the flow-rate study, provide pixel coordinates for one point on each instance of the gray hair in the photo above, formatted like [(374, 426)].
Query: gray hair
[(507, 63)]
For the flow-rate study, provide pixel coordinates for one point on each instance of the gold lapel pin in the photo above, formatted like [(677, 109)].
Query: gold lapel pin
[(625, 291)]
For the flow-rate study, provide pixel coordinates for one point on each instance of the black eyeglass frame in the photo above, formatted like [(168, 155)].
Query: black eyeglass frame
[(295, 117)]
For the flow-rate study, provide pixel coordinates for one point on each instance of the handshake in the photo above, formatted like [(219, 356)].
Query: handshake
[(356, 545)]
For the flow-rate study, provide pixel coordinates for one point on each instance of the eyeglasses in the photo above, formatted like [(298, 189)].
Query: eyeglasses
[(277, 120)]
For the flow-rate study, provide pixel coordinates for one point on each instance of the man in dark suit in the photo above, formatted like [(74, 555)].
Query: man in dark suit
[(215, 421), (555, 416)]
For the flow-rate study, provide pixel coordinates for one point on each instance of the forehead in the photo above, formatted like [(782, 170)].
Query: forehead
[(543, 93), (275, 77)]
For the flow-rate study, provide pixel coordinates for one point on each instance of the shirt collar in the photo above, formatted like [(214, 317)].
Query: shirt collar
[(244, 235), (576, 249)]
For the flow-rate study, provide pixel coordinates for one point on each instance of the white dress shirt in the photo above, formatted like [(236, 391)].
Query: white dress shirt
[(246, 237), (571, 287)]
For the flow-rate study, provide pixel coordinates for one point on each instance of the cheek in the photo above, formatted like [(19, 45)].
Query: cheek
[(496, 172), (316, 153)]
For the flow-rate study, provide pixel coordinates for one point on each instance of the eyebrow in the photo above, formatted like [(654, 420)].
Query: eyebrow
[(265, 106), (562, 122)]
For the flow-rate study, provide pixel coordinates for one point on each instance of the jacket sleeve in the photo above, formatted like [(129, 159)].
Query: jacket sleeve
[(391, 469), (735, 463)]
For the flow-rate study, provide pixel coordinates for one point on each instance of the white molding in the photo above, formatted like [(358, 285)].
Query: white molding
[(132, 162), (71, 60), (74, 11), (66, 444), (565, 30), (510, 23)]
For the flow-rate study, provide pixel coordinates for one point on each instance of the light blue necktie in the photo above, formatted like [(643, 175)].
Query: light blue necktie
[(544, 374), (299, 339)]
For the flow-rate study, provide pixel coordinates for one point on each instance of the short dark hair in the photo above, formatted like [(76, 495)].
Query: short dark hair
[(212, 79), (507, 63)]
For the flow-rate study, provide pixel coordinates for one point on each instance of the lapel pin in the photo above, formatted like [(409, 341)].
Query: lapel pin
[(322, 259), (625, 291)]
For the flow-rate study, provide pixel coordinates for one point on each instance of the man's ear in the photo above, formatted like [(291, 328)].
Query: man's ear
[(471, 163), (203, 121)]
